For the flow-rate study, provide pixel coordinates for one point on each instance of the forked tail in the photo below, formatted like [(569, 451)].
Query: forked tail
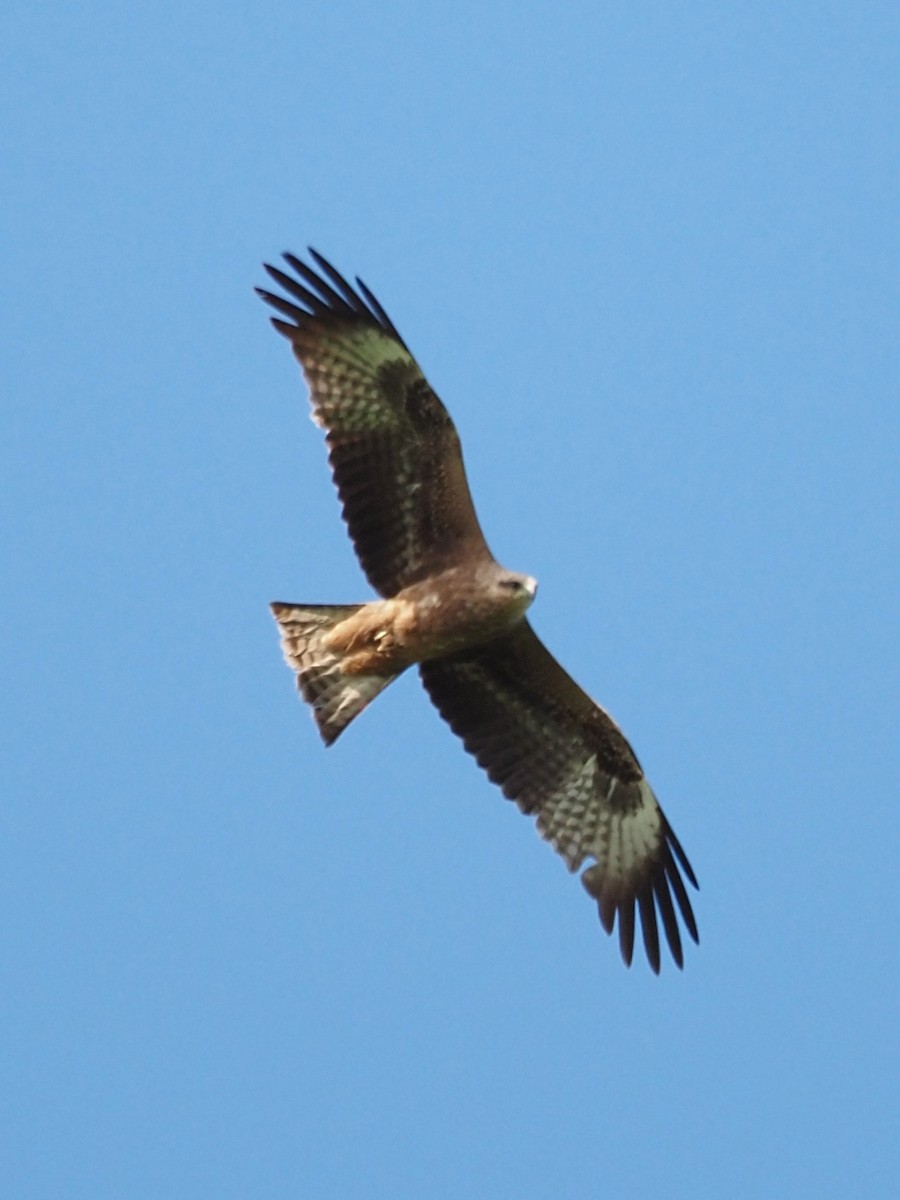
[(335, 697)]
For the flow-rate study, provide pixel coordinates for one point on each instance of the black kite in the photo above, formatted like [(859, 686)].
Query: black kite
[(450, 608)]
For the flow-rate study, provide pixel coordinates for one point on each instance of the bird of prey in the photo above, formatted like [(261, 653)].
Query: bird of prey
[(450, 609)]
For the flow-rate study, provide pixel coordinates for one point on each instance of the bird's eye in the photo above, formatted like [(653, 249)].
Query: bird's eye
[(514, 585)]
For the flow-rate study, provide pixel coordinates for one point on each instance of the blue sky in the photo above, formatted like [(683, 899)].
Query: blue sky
[(648, 256)]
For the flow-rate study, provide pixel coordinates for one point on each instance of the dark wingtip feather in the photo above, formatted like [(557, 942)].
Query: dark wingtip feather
[(649, 928), (268, 297), (659, 893), (320, 302), (285, 307), (607, 910), (683, 899), (337, 279), (626, 929), (284, 328), (670, 921), (325, 294), (380, 315), (324, 297), (681, 856)]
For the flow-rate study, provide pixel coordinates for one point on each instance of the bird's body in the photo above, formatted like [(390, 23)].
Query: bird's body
[(450, 608), (456, 611), (347, 645)]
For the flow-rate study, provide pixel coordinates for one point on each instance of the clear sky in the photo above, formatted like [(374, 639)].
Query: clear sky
[(648, 256)]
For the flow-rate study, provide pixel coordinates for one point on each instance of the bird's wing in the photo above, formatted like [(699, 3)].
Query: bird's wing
[(564, 760), (394, 451)]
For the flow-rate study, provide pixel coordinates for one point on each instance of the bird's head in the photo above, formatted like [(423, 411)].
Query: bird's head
[(518, 590)]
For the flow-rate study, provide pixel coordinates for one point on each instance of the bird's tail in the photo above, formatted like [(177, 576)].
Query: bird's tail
[(334, 696)]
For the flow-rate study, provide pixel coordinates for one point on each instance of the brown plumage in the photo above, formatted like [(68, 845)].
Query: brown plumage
[(449, 607)]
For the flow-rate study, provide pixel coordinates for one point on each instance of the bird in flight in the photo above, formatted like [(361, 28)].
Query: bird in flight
[(449, 608)]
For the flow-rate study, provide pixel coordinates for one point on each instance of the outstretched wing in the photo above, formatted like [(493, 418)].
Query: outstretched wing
[(563, 759), (394, 452)]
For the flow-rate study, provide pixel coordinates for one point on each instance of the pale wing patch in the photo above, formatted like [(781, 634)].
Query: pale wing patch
[(346, 377), (332, 381), (371, 348), (599, 816), (628, 837), (568, 817)]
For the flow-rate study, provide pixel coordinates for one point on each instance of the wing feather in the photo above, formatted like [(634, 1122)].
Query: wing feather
[(563, 759), (394, 451)]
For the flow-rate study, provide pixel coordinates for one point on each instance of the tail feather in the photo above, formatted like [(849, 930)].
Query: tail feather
[(335, 697)]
